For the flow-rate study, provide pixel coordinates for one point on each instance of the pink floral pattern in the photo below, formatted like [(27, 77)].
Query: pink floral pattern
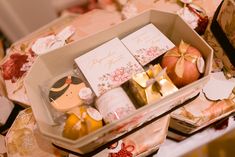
[(117, 77), (144, 56), (126, 151), (16, 66), (119, 113)]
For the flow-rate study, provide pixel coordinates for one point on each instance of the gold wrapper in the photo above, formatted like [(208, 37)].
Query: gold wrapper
[(146, 94)]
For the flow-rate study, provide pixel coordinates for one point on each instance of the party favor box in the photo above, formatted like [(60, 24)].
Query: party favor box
[(51, 65), (200, 113)]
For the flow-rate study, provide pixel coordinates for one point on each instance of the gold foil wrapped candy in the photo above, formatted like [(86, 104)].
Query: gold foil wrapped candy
[(151, 85)]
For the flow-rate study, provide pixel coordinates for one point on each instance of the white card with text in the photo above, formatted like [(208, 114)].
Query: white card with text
[(147, 43), (108, 66)]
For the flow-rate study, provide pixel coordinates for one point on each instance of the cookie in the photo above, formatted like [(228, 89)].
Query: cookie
[(63, 94)]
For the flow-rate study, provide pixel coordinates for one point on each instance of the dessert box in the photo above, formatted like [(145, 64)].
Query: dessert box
[(60, 61), (193, 117), (210, 106)]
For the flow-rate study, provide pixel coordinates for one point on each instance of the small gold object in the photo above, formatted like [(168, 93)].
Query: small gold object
[(151, 85)]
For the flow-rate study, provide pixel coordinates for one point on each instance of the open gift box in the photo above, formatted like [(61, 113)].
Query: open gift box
[(60, 61)]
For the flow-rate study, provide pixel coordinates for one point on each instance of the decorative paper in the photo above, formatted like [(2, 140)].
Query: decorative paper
[(24, 139), (226, 20), (218, 87), (147, 43), (108, 66), (220, 57), (189, 17), (51, 42), (6, 108)]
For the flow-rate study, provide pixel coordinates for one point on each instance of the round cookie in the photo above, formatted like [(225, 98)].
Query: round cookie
[(63, 94)]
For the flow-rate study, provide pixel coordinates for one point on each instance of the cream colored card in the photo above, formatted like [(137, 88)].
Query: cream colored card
[(108, 66), (147, 43)]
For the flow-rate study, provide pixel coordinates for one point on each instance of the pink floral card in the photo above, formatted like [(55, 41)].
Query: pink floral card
[(147, 43), (108, 66)]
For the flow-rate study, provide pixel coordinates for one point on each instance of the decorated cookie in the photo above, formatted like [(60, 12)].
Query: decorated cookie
[(64, 94), (81, 121)]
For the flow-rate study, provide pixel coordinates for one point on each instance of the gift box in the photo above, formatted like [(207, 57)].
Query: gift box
[(169, 24), (151, 85), (198, 114), (220, 34), (22, 55)]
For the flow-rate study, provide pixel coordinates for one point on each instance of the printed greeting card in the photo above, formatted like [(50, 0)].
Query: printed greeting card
[(108, 66), (147, 43)]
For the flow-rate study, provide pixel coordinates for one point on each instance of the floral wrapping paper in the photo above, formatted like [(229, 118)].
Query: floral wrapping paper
[(226, 20), (24, 139), (193, 116), (20, 57), (221, 60)]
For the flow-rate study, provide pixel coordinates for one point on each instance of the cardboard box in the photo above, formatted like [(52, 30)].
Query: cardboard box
[(60, 61), (200, 113)]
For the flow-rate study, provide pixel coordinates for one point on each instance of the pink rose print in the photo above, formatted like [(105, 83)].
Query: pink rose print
[(11, 69), (144, 56), (119, 76), (152, 52), (126, 151)]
